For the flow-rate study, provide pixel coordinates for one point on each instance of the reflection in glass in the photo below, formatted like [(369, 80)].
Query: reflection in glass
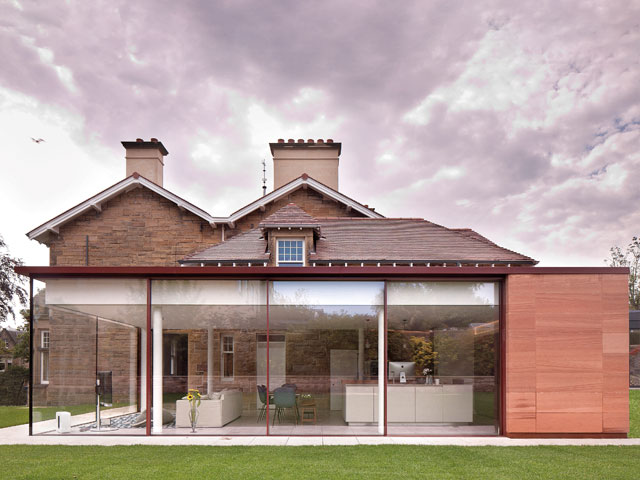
[(212, 330), (442, 347), (86, 355), (323, 367)]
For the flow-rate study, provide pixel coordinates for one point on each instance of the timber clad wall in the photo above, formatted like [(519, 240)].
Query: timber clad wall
[(567, 347)]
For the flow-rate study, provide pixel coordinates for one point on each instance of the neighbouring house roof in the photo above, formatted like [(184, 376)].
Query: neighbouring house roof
[(383, 240), (12, 333), (290, 215), (136, 180)]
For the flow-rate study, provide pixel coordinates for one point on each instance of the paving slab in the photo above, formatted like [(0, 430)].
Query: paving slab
[(19, 435)]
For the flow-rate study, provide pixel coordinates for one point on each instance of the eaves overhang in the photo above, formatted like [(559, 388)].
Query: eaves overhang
[(42, 272), (294, 185), (95, 203)]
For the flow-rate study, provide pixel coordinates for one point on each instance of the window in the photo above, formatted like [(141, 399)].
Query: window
[(6, 343), (44, 357), (227, 357), (1, 366), (291, 253), (175, 354)]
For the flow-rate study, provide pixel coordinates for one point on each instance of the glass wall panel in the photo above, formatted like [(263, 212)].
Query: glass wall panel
[(86, 356), (323, 357), (209, 349), (442, 351)]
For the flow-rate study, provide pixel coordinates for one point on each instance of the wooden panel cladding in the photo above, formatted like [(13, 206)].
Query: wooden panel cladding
[(566, 354)]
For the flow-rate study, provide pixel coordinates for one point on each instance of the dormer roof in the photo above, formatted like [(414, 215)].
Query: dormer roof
[(289, 216)]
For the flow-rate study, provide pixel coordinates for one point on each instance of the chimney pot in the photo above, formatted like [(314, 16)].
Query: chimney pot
[(139, 140), (301, 140), (310, 140), (291, 140), (154, 140), (281, 140), (320, 140), (329, 140)]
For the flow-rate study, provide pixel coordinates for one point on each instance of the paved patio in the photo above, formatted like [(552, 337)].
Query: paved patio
[(20, 435)]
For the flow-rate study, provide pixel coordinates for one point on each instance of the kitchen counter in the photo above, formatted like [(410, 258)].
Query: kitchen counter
[(410, 403)]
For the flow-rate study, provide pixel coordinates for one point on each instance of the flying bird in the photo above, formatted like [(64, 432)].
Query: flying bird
[(37, 140)]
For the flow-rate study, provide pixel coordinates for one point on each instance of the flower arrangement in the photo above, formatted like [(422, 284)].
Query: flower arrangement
[(193, 397)]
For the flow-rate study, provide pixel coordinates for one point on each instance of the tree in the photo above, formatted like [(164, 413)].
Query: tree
[(629, 258), (11, 284), (21, 349)]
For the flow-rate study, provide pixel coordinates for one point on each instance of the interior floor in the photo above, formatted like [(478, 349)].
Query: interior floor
[(328, 423)]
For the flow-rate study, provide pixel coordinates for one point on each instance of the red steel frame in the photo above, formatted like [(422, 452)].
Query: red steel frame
[(324, 273)]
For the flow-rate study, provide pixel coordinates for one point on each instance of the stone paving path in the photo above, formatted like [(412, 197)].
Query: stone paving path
[(19, 435)]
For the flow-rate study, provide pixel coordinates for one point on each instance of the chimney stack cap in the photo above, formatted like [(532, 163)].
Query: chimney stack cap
[(140, 144)]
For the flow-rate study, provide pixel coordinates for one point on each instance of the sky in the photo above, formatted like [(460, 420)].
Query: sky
[(520, 120)]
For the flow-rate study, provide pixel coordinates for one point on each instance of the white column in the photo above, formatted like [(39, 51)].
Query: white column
[(157, 370), (143, 369), (360, 353), (381, 369), (209, 360)]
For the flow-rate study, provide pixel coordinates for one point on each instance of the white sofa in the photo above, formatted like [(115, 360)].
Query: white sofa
[(213, 413)]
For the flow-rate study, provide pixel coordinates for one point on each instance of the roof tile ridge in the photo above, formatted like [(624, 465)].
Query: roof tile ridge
[(488, 242), (305, 177)]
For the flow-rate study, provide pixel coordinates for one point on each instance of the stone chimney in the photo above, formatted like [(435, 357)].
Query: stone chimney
[(318, 159), (146, 158)]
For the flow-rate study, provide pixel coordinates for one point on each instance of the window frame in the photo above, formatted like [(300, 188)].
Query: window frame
[(290, 263), (223, 353), (44, 352)]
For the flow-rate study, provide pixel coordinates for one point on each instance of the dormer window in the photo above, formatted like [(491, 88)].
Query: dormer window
[(291, 252)]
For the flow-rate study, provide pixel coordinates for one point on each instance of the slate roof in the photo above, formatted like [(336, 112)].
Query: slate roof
[(290, 215), (249, 246), (408, 240), (387, 240)]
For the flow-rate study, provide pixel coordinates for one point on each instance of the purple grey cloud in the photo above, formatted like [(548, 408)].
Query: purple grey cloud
[(519, 121)]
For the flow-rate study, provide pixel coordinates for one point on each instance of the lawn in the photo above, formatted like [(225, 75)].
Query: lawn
[(634, 413), (366, 462), (10, 416)]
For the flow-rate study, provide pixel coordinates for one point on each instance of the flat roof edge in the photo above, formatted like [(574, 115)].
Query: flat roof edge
[(340, 271)]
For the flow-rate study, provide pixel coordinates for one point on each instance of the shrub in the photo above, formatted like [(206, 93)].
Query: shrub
[(12, 382)]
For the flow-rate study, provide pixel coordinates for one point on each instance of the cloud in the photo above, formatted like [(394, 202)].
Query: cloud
[(519, 122)]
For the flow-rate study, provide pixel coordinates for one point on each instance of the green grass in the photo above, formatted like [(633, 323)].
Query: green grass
[(10, 416), (357, 462), (634, 413)]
